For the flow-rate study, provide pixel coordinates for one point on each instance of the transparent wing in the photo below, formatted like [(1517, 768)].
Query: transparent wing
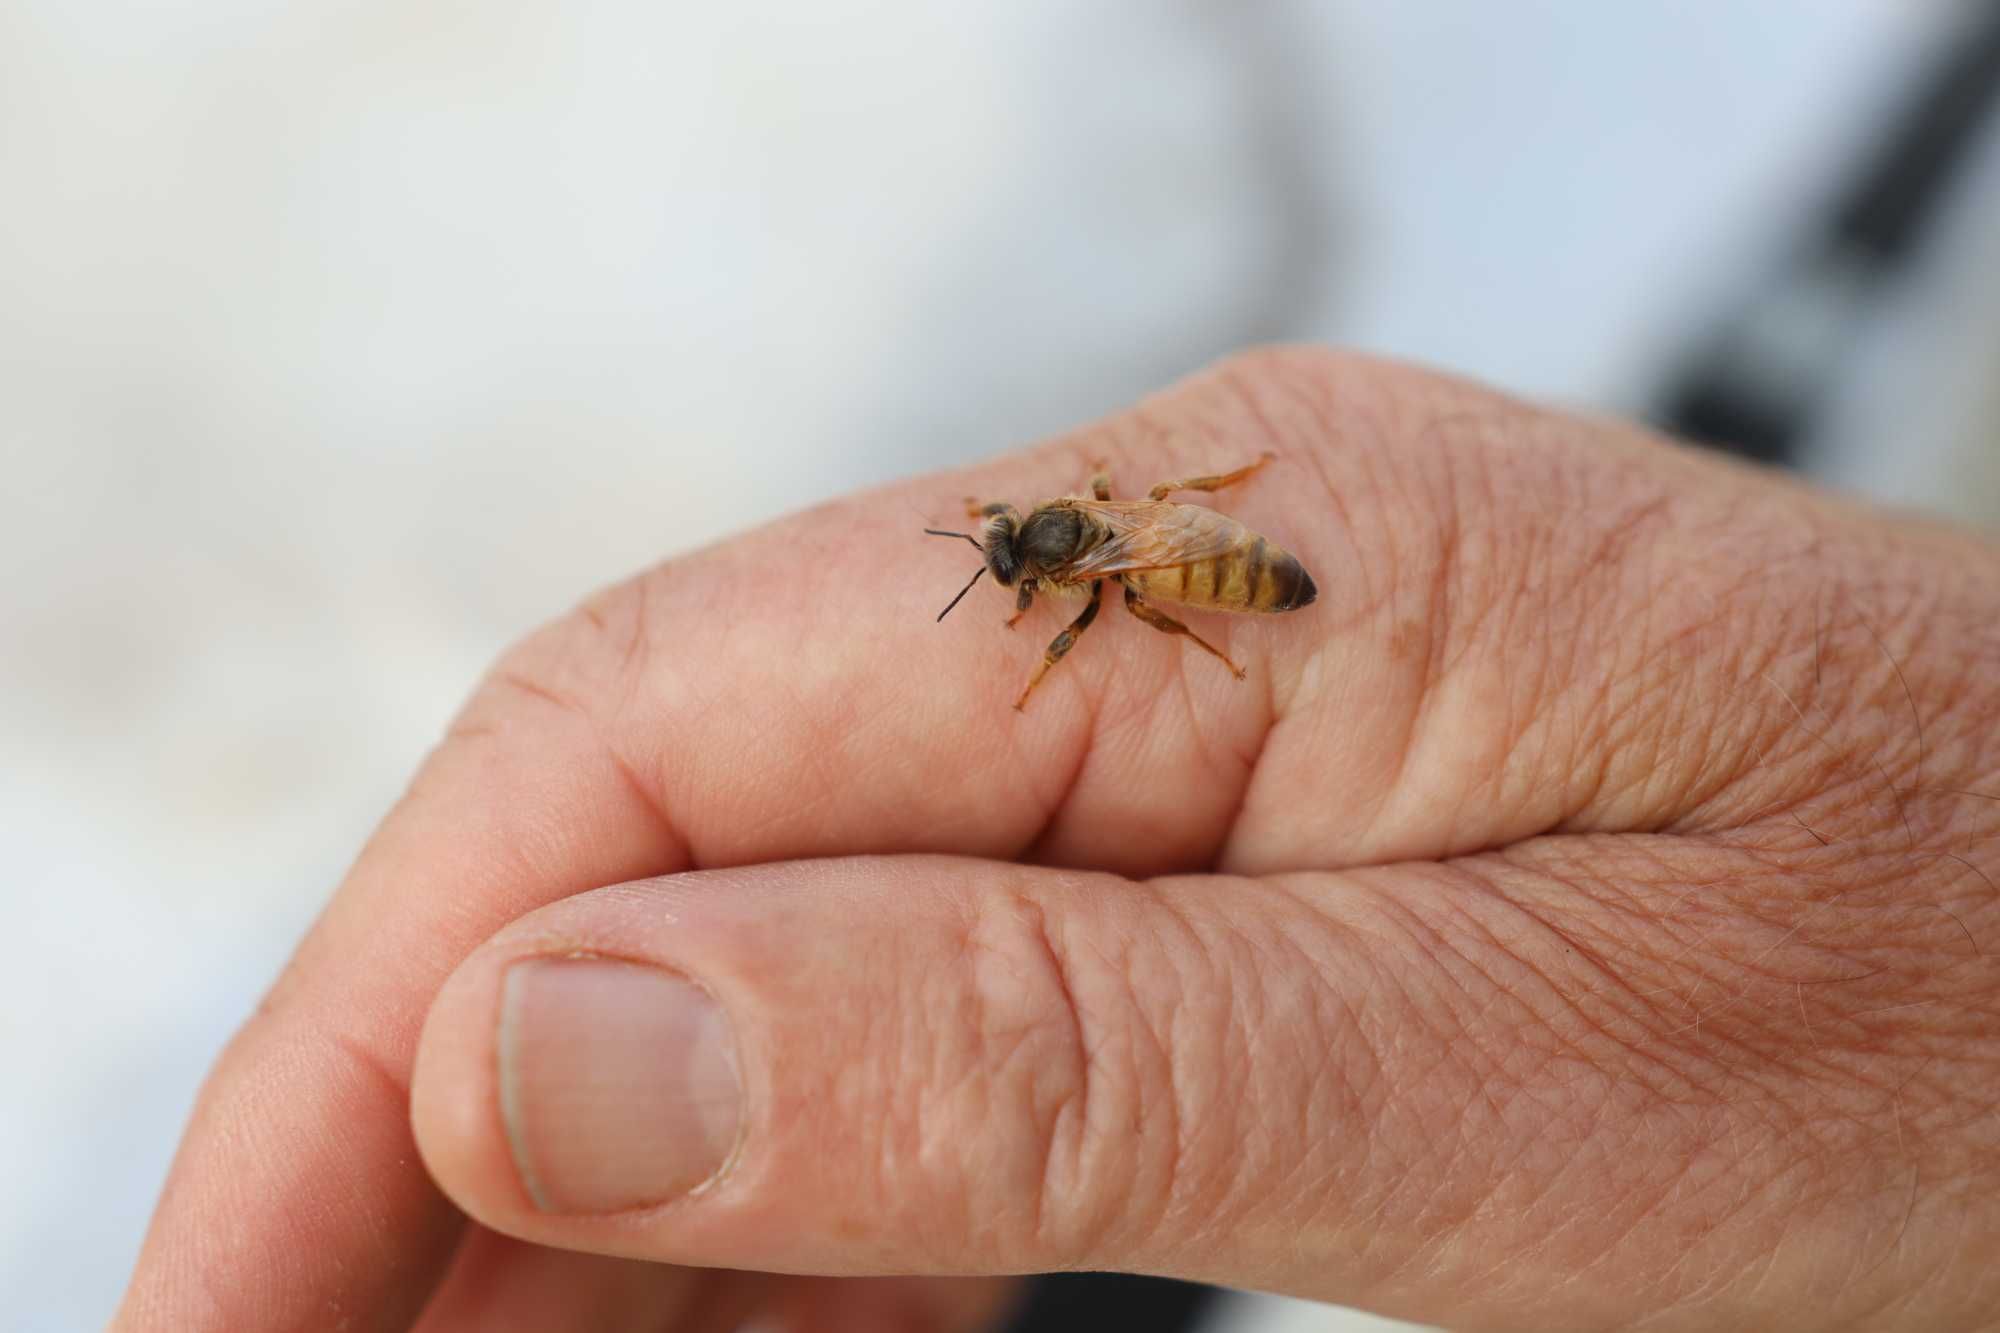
[(1154, 534)]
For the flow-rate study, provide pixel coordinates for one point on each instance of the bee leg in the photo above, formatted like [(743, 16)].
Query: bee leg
[(1022, 600), (1215, 483), (1100, 485), (1166, 624), (974, 509), (1063, 642)]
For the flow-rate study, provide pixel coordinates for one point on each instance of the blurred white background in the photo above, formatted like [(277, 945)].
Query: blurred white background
[(341, 341)]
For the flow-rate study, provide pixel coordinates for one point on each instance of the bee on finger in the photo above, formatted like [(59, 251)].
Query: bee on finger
[(1158, 550)]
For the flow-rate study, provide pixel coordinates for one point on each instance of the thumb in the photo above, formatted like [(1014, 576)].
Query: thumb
[(904, 1065), (1461, 1092), (937, 1065)]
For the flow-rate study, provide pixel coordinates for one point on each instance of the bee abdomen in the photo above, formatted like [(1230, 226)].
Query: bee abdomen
[(1263, 577), (1256, 576), (1284, 585)]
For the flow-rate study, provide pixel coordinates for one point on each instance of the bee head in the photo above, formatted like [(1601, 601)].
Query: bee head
[(1001, 546), (1000, 549)]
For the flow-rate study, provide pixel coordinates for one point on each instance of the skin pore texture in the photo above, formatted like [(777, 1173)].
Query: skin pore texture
[(1583, 916)]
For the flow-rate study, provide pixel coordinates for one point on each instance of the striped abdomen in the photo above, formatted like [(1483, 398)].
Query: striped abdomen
[(1255, 576)]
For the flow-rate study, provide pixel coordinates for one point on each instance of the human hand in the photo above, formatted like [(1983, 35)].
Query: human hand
[(1583, 915)]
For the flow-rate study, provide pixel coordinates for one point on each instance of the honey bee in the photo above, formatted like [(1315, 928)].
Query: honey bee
[(1160, 551)]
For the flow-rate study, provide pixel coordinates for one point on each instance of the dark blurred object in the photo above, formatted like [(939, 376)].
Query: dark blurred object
[(1076, 1302), (1753, 384)]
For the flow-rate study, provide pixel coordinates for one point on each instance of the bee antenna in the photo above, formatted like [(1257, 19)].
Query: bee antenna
[(968, 536), (962, 591)]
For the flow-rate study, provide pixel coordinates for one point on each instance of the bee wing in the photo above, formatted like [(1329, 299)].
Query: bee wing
[(1153, 534)]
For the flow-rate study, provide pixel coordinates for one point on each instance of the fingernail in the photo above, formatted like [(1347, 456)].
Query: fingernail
[(618, 1083)]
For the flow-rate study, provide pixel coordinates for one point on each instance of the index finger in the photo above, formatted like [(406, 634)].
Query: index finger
[(1526, 622)]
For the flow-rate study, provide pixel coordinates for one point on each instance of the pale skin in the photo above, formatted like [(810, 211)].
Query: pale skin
[(1582, 917)]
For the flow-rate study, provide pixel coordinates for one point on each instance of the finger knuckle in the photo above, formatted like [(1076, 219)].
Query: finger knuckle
[(1067, 1066), (585, 663), (603, 644)]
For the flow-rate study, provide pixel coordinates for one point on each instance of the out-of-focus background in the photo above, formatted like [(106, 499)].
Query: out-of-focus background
[(343, 340)]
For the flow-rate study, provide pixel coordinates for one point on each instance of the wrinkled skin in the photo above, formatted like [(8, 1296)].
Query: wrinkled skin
[(1583, 917)]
